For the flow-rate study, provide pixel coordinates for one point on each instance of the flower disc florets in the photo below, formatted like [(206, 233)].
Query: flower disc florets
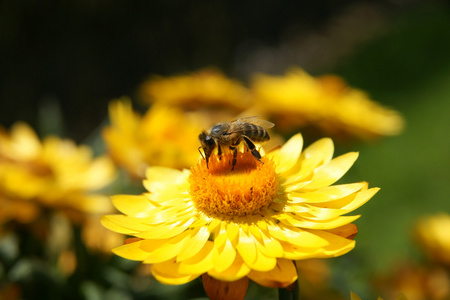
[(247, 189)]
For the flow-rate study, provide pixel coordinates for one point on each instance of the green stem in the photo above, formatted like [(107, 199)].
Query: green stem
[(285, 294), (296, 291)]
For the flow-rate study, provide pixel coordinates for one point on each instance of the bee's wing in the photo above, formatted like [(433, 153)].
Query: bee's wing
[(240, 124), (254, 120)]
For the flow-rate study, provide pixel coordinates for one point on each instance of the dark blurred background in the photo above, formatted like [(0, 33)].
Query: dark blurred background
[(82, 54)]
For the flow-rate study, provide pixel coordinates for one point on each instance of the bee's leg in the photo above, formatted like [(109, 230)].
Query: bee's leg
[(206, 157), (252, 148), (201, 152), (219, 152), (234, 149)]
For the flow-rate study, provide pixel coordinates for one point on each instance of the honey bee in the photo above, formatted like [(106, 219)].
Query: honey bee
[(231, 134)]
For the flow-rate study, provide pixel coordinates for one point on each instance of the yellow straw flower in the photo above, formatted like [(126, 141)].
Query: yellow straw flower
[(432, 235), (163, 136), (52, 174), (253, 221), (299, 100), (204, 88)]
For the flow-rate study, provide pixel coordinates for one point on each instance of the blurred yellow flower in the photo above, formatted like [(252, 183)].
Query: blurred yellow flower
[(432, 234), (415, 282), (52, 174), (204, 88), (93, 229), (163, 136), (299, 100), (253, 221)]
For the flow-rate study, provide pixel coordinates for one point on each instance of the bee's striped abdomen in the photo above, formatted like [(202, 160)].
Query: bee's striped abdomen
[(255, 133)]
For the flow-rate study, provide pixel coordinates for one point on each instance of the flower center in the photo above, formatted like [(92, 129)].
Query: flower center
[(246, 190)]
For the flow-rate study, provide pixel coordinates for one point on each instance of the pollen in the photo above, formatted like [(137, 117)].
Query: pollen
[(247, 190)]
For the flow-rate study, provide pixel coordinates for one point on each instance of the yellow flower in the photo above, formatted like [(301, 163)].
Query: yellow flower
[(300, 100), (163, 136), (52, 174), (432, 236), (92, 230), (253, 221), (415, 282), (204, 88)]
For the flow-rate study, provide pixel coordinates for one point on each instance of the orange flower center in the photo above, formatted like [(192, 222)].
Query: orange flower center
[(246, 190)]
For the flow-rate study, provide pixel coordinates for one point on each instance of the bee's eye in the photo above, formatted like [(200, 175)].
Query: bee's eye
[(216, 129)]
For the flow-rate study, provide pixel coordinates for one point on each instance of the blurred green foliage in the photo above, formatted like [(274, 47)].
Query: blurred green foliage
[(408, 67)]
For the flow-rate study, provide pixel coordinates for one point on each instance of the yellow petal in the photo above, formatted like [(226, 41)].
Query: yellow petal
[(167, 273), (270, 246), (326, 194), (181, 212), (255, 231), (105, 220), (282, 275), (313, 156), (133, 205), (214, 224), (235, 272), (134, 224), (325, 213), (298, 209), (348, 231), (359, 199), (200, 262), (338, 245), (263, 263), (322, 148), (224, 256), (165, 231), (131, 251), (220, 235), (286, 157), (246, 247), (194, 244), (159, 251), (232, 232), (343, 206), (294, 252), (310, 223), (331, 172), (296, 236), (296, 186), (168, 197), (160, 177)]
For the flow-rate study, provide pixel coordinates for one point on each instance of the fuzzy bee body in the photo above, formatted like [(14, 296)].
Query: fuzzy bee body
[(231, 134)]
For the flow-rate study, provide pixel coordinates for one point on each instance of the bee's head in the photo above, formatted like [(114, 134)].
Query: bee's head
[(206, 141)]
